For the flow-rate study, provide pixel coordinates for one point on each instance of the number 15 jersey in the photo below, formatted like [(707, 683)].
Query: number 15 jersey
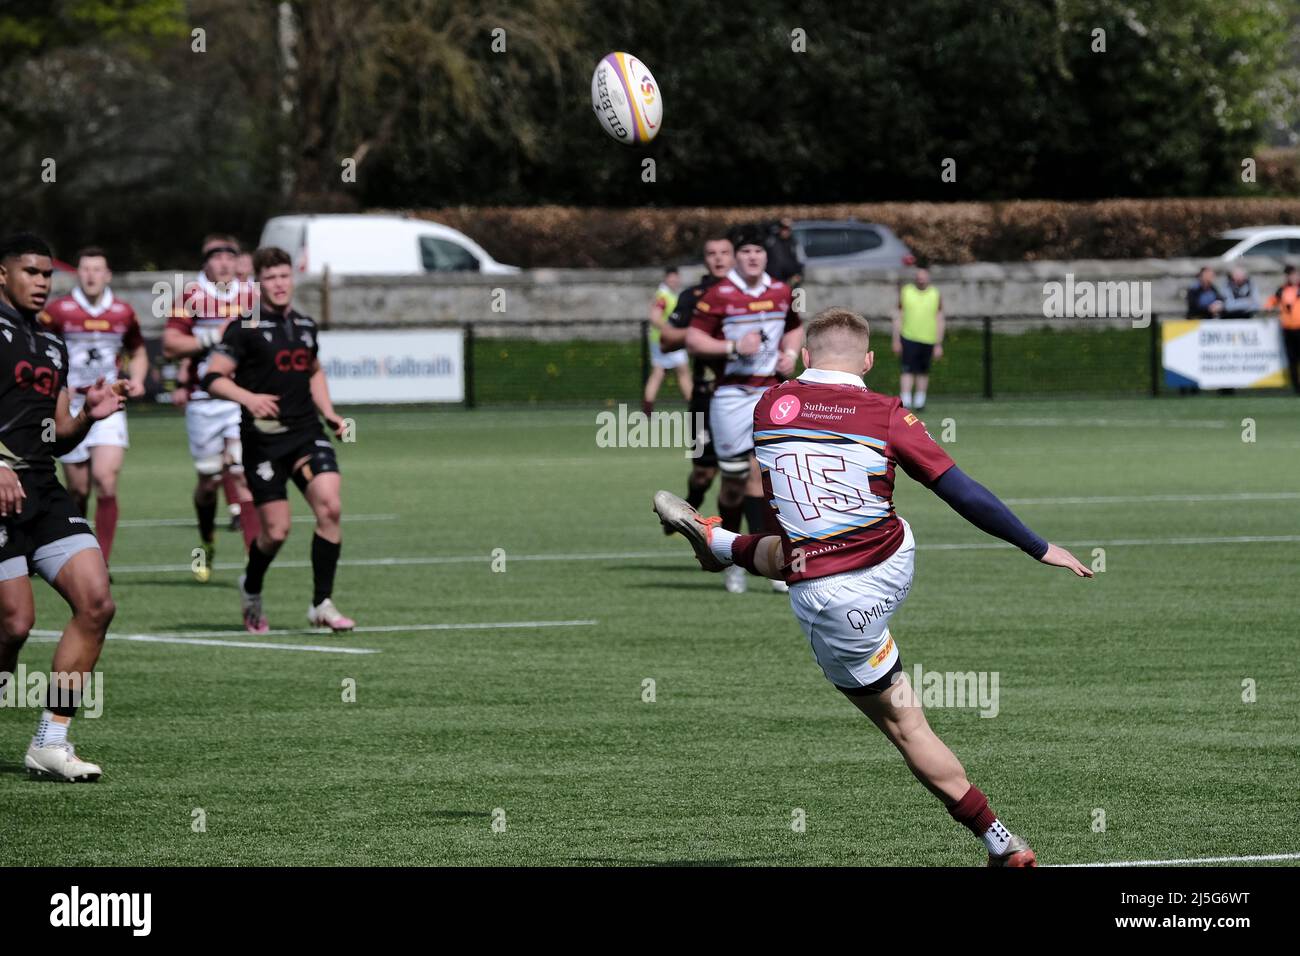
[(828, 446)]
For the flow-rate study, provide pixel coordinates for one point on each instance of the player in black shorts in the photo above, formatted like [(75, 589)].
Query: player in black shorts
[(269, 365), (42, 531), (719, 257)]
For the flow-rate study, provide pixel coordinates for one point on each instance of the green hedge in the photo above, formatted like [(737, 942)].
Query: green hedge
[(567, 236)]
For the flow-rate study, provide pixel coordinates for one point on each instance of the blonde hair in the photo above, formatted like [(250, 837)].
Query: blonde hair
[(837, 330)]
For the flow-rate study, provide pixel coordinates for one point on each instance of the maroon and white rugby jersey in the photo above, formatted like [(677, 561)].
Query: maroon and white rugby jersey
[(828, 447), (730, 310), (95, 335), (204, 305)]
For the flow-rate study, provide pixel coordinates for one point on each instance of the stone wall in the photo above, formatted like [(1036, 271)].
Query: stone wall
[(599, 296)]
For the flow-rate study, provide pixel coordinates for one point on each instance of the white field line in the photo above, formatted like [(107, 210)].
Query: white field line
[(190, 522), (1262, 858), (422, 560), (212, 638), (975, 421), (49, 637), (1138, 499), (1095, 499)]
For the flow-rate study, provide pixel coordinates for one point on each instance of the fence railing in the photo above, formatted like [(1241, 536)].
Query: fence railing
[(608, 362)]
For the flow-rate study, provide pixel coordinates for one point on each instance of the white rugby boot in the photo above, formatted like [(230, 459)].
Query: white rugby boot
[(736, 579), (61, 762), (1018, 854), (325, 614), (675, 514)]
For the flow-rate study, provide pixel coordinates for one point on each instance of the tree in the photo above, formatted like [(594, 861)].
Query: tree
[(372, 79)]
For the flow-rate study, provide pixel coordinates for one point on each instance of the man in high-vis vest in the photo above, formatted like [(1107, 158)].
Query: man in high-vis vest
[(918, 337), (1287, 301), (665, 301)]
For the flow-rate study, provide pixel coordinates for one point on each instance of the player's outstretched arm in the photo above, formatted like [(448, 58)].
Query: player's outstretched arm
[(985, 511), (1059, 557), (320, 396)]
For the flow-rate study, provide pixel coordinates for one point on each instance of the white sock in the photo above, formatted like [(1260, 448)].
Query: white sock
[(907, 399), (720, 544), (997, 838), (52, 729), (920, 399)]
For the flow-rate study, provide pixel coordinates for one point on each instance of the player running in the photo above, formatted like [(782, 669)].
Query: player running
[(97, 329), (41, 528), (661, 362), (719, 257), (270, 367), (748, 320), (828, 447), (194, 327)]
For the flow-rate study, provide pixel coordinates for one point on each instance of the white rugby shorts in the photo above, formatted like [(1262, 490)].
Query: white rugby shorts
[(107, 431), (731, 419), (209, 423), (846, 616)]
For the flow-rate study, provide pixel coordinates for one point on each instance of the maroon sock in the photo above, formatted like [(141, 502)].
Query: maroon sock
[(231, 487), (250, 523), (105, 522), (731, 515), (973, 812), (647, 407), (743, 550)]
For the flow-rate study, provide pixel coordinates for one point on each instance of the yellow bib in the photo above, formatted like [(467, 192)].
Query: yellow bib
[(920, 314)]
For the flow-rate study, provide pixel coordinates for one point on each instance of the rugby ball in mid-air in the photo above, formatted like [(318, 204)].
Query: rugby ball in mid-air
[(626, 99)]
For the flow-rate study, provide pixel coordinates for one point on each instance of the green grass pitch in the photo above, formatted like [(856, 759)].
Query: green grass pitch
[(1123, 694)]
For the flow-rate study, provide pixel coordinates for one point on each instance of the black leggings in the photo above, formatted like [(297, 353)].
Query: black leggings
[(1292, 339)]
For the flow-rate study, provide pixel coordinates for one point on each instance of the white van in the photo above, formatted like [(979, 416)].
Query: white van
[(376, 245)]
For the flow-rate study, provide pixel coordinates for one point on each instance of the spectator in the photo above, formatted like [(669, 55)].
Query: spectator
[(1241, 301), (918, 330), (782, 255), (244, 267), (665, 301), (1204, 300), (1287, 300)]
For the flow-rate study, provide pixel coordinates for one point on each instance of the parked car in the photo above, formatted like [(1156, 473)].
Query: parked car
[(1274, 242), (377, 245), (849, 243)]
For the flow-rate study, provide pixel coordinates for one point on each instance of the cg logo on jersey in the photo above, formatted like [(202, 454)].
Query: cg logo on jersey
[(293, 360), (42, 380)]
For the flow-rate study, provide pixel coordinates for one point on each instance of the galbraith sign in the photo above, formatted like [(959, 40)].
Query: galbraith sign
[(1223, 353), (387, 367)]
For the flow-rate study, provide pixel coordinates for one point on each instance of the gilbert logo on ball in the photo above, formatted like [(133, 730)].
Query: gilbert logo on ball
[(626, 99)]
